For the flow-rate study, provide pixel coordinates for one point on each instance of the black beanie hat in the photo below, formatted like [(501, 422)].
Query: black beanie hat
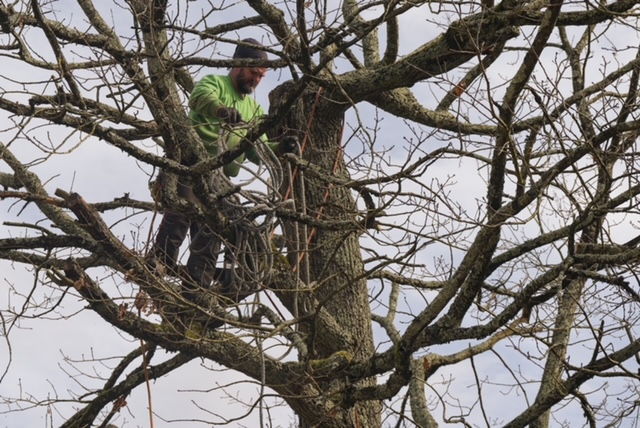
[(249, 52)]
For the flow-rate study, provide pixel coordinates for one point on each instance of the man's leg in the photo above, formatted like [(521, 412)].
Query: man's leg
[(171, 234), (201, 265), (238, 276)]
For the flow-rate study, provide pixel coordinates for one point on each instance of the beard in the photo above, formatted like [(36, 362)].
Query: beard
[(244, 85)]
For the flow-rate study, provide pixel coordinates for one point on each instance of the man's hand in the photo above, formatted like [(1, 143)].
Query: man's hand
[(289, 144), (229, 115)]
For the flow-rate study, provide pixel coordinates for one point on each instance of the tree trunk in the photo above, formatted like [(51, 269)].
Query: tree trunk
[(328, 259)]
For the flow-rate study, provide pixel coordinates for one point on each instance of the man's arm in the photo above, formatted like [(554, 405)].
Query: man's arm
[(207, 97)]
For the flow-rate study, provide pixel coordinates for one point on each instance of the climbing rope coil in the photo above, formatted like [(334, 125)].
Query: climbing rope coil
[(251, 213)]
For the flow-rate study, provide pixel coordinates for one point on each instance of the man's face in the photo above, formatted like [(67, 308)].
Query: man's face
[(248, 78)]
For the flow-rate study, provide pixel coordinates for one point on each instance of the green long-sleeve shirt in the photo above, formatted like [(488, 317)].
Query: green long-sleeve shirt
[(208, 95)]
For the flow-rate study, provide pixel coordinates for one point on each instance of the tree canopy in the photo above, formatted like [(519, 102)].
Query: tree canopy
[(455, 242)]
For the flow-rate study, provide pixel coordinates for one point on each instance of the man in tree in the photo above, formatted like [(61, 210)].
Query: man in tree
[(218, 104)]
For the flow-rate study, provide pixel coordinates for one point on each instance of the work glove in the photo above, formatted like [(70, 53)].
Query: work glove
[(289, 144), (229, 115)]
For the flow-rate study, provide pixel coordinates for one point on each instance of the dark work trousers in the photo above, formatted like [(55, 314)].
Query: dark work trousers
[(204, 248)]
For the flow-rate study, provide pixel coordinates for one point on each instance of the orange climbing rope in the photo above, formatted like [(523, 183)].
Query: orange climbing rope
[(296, 172), (305, 140)]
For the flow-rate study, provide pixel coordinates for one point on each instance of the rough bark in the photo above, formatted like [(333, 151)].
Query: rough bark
[(329, 261)]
